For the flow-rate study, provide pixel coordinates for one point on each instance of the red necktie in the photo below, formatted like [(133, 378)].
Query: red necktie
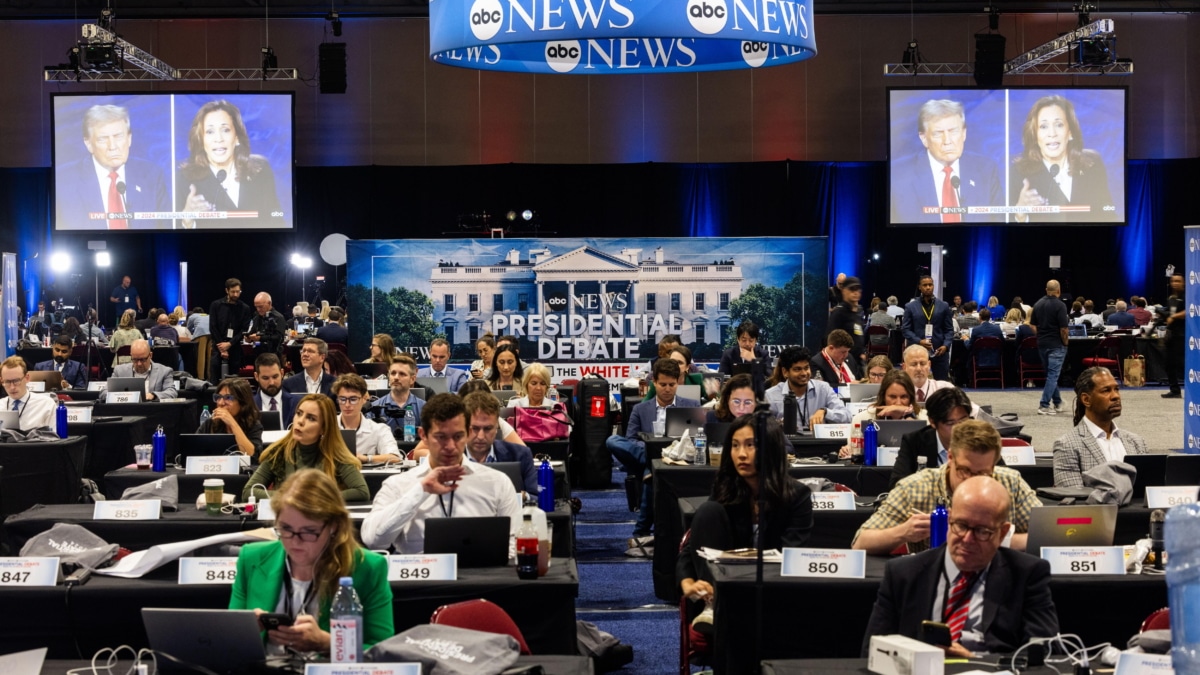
[(920, 396), (958, 606), (115, 204), (949, 197)]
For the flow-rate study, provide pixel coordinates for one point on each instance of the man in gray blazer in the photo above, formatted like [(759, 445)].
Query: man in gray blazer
[(1095, 440), (160, 380)]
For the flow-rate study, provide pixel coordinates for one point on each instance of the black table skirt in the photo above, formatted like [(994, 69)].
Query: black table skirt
[(552, 664), (1086, 605), (110, 443), (176, 417), (45, 472), (106, 611)]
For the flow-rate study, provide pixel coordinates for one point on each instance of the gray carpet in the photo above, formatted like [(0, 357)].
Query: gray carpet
[(1144, 412)]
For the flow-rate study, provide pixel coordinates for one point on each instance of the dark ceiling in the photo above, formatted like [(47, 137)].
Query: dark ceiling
[(153, 9)]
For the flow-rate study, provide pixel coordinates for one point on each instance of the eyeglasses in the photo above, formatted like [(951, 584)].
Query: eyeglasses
[(374, 346), (141, 359), (982, 534), (741, 402), (349, 400), (13, 383), (965, 473), (302, 535), (227, 398)]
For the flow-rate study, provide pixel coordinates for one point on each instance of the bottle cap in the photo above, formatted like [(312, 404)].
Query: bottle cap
[(346, 581)]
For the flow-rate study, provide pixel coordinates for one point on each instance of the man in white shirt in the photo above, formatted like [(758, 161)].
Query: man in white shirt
[(373, 442), (268, 373), (312, 379), (916, 364), (439, 366), (33, 410), (1095, 440), (446, 487), (894, 309)]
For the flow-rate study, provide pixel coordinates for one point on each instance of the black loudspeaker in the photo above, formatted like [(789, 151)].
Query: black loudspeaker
[(989, 59), (331, 60)]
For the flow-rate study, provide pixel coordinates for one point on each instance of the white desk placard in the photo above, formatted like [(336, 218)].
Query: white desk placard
[(423, 567), (207, 570), (830, 563), (128, 509), (858, 407), (833, 501), (1135, 663), (1085, 559), (362, 669), (886, 455), (124, 397), (96, 385), (28, 571), (832, 431), (216, 464), (264, 510), (377, 385), (1018, 455), (1166, 496), (38, 386), (79, 414)]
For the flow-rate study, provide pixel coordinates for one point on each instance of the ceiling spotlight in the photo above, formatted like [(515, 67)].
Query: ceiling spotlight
[(333, 18), (912, 55), (511, 216), (527, 215), (60, 262), (993, 13), (269, 61)]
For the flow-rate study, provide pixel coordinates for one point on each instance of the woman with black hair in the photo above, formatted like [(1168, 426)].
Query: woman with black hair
[(730, 519)]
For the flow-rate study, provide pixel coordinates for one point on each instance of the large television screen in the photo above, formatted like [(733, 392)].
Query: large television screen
[(1023, 156), (161, 161)]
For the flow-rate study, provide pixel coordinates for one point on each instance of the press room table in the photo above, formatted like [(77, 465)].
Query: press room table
[(1098, 608), (110, 442), (43, 472), (671, 483), (106, 611), (552, 664), (856, 666), (176, 417)]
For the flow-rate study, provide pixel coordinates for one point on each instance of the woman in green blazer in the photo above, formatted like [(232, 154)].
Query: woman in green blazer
[(298, 574)]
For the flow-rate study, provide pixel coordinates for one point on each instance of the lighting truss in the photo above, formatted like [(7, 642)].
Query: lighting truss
[(1060, 45), (142, 59)]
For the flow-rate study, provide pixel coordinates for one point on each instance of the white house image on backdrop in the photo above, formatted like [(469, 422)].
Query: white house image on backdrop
[(466, 297)]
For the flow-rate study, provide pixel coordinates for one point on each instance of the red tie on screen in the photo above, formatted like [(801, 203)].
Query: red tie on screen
[(115, 204), (959, 604), (949, 198)]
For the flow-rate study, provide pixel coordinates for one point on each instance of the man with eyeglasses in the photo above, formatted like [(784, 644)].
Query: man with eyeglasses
[(312, 378), (483, 421), (160, 380), (373, 442), (945, 408), (993, 599), (903, 518), (446, 487), (33, 410)]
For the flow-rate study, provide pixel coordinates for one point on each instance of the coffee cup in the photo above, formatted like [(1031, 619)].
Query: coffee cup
[(214, 492)]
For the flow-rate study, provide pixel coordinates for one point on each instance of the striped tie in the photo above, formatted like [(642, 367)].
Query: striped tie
[(959, 604)]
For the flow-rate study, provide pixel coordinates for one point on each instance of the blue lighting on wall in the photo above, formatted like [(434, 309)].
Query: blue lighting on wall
[(844, 196), (1144, 208), (704, 206), (982, 261), (166, 268)]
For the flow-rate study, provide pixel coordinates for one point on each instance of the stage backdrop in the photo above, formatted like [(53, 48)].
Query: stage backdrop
[(583, 304)]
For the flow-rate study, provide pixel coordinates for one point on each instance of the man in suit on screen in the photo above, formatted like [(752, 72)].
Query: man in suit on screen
[(944, 176)]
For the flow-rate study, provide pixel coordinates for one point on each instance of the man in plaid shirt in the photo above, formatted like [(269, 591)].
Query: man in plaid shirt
[(903, 518)]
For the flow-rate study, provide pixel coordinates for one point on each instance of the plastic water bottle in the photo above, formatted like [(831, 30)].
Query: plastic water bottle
[(870, 443), (158, 455), (939, 522), (701, 444), (205, 419), (1182, 535), (410, 425), (346, 625), (546, 486), (60, 419), (527, 549)]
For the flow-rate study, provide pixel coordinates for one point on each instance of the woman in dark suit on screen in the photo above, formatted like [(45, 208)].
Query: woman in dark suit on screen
[(221, 174), (1055, 169)]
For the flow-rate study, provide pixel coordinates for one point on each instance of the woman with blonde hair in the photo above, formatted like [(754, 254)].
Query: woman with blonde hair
[(315, 442), (298, 574), (125, 335)]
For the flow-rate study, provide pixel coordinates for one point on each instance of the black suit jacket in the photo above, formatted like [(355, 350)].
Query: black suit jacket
[(78, 194), (1016, 601), (256, 193), (922, 443), (73, 372), (289, 406), (830, 374), (1089, 187), (295, 385)]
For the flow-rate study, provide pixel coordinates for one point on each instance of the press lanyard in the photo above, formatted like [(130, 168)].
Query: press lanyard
[(288, 593), (448, 513), (929, 314)]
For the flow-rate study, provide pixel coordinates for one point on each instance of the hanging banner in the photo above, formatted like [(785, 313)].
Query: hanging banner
[(593, 37)]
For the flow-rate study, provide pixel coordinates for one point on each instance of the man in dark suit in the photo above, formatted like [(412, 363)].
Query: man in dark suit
[(483, 421), (929, 322), (836, 364), (227, 321), (944, 177), (268, 373), (312, 379), (942, 584), (74, 373), (630, 450), (110, 181), (945, 408), (988, 359)]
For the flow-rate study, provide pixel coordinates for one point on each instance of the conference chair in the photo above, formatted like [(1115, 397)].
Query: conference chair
[(480, 615), (1107, 355), (1029, 364), (80, 353), (1159, 619), (1013, 442), (879, 341), (981, 346)]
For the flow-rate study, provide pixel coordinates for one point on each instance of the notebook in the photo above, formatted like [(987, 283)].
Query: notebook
[(478, 542), (222, 640), (1082, 525)]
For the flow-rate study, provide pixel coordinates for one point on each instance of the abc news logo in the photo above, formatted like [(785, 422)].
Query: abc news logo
[(1192, 376), (1193, 244), (1193, 410), (486, 17), (562, 57), (755, 53), (1191, 442), (707, 16), (1193, 279), (557, 302)]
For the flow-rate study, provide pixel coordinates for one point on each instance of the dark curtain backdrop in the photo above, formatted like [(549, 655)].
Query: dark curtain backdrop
[(844, 201)]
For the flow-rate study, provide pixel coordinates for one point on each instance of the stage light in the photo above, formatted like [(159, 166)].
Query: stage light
[(103, 259), (336, 22), (875, 256), (302, 261), (527, 215), (912, 55), (511, 216), (60, 262)]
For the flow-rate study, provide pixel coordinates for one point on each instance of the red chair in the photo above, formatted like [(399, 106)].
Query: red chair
[(980, 346), (1107, 355), (1159, 619), (80, 353), (1029, 363), (339, 347), (480, 615), (1013, 442), (879, 341)]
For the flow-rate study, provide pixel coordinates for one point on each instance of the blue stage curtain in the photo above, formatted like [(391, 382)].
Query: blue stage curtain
[(1144, 207), (703, 202), (843, 207)]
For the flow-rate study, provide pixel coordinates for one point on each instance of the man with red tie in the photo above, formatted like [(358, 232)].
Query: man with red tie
[(110, 184), (992, 598)]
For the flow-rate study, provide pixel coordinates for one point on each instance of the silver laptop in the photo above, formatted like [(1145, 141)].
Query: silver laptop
[(126, 384), (222, 640), (438, 385), (691, 391), (1083, 525), (891, 431), (685, 419), (504, 395), (859, 393), (10, 419)]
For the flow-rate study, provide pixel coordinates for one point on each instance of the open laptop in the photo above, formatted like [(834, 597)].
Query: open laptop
[(350, 436), (438, 385), (222, 640), (1151, 470), (1082, 525), (370, 370), (891, 431), (513, 471), (478, 542), (691, 391), (205, 445), (10, 419), (1077, 330), (859, 393), (1181, 469), (52, 378), (685, 419), (504, 395), (272, 420)]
